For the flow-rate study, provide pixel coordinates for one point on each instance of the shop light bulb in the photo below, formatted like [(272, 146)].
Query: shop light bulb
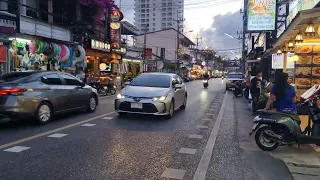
[(310, 30)]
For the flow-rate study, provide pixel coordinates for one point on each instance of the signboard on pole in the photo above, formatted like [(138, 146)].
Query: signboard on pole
[(261, 15)]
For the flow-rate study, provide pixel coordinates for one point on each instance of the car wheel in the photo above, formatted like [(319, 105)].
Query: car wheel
[(184, 105), (44, 113), (171, 110), (92, 104)]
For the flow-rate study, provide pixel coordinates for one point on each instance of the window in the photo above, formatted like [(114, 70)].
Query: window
[(15, 77), (51, 79), (151, 80), (72, 81)]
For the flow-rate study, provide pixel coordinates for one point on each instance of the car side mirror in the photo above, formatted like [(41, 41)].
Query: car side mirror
[(82, 84)]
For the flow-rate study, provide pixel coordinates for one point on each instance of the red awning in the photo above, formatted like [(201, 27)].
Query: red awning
[(2, 53)]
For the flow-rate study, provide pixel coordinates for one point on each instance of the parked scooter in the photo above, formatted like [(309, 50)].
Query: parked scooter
[(111, 89), (276, 128), (101, 88)]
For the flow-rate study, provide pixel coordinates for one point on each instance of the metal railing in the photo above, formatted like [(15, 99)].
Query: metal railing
[(10, 6)]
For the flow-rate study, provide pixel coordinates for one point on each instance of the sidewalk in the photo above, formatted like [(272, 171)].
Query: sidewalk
[(303, 163)]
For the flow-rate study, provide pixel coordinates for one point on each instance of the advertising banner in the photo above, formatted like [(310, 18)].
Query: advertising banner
[(277, 61), (261, 15)]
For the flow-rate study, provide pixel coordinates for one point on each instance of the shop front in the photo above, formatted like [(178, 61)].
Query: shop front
[(299, 49), (104, 63), (36, 53), (131, 67)]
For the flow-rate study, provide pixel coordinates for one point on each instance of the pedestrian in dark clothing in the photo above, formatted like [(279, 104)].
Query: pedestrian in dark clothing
[(255, 90)]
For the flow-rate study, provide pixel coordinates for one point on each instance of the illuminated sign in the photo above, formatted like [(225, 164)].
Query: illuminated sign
[(277, 61), (98, 45), (261, 15)]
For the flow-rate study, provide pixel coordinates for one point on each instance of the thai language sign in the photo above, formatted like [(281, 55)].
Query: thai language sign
[(261, 15)]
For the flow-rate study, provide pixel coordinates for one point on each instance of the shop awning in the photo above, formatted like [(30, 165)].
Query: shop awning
[(300, 22)]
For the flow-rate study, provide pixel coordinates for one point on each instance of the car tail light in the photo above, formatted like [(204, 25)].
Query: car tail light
[(14, 91)]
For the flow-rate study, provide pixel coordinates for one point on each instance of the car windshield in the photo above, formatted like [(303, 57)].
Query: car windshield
[(235, 76), (15, 77), (151, 80)]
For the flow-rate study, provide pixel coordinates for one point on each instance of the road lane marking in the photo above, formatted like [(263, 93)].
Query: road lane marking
[(202, 127), (57, 135), (206, 119), (173, 173), (108, 118), (210, 114), (88, 125), (195, 136), (17, 149), (187, 151), (203, 165), (52, 131)]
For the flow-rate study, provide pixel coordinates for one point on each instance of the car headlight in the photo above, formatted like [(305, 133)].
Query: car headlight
[(160, 98), (120, 96)]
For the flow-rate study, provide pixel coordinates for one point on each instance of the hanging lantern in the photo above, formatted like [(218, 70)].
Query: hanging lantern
[(279, 52), (290, 45), (310, 30), (299, 38)]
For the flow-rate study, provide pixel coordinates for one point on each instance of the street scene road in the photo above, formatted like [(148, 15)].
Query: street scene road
[(209, 140)]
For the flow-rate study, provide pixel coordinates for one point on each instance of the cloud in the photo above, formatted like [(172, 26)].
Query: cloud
[(215, 38)]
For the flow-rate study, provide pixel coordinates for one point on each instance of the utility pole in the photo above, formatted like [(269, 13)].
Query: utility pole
[(178, 41), (157, 58), (197, 47), (244, 17), (144, 48)]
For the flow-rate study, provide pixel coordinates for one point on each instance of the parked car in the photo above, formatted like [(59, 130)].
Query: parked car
[(152, 93), (42, 94)]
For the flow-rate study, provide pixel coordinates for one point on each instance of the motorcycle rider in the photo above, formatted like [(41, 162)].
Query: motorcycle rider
[(284, 94)]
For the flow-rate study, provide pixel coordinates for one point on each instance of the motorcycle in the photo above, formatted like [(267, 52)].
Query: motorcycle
[(111, 89), (205, 83), (101, 88), (278, 128)]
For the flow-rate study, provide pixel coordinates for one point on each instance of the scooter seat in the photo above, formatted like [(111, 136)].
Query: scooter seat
[(292, 116)]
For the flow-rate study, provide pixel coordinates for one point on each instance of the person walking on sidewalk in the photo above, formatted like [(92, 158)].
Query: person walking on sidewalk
[(255, 90), (284, 94)]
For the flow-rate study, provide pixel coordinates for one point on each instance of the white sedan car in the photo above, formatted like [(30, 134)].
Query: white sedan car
[(152, 93)]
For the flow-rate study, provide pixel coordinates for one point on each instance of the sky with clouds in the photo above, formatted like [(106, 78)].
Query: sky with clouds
[(208, 19)]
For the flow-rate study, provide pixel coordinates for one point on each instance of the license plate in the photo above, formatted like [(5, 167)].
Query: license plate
[(254, 126), (136, 105)]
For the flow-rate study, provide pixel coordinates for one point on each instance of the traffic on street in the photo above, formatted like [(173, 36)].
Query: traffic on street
[(200, 142)]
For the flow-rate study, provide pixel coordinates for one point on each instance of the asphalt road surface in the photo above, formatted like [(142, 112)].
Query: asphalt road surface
[(201, 142)]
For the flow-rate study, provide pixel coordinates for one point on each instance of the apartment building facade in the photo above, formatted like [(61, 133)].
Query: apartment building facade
[(155, 15)]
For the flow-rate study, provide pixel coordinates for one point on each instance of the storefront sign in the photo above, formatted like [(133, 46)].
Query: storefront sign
[(115, 35), (277, 62), (148, 53), (120, 51), (98, 45), (105, 67), (7, 24), (261, 15), (299, 5), (116, 15)]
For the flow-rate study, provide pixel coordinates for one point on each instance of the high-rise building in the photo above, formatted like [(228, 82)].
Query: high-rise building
[(154, 15)]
